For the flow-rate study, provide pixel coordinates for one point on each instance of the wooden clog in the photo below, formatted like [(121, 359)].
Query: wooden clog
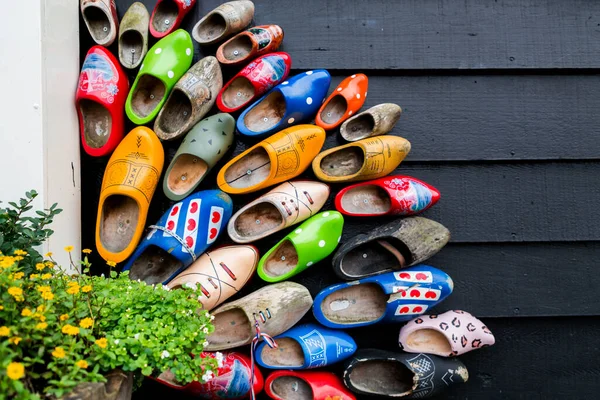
[(101, 95), (276, 159), (100, 17), (191, 99), (375, 121), (288, 204), (163, 66), (313, 241), (398, 244), (133, 36), (129, 182), (254, 80), (225, 20), (344, 102), (276, 308), (218, 274), (362, 160), (247, 45), (306, 385), (167, 16), (391, 195), (199, 152)]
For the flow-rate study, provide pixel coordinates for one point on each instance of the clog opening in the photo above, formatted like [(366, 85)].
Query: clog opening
[(147, 95), (98, 23), (97, 123), (343, 162), (366, 199), (355, 304), (232, 328), (250, 170), (429, 341), (164, 16), (238, 48), (287, 354), (212, 28), (131, 47), (334, 110), (238, 93), (187, 172), (375, 257), (266, 114), (154, 265), (118, 222), (258, 220), (291, 388), (176, 112), (383, 377), (282, 261), (358, 128)]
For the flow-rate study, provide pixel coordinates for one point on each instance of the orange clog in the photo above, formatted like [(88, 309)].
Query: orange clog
[(344, 102), (276, 159), (129, 182)]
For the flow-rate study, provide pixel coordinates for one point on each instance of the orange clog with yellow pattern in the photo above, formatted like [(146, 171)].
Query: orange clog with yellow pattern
[(345, 101)]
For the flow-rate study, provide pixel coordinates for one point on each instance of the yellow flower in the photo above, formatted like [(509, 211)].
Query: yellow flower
[(102, 342), (7, 261), (69, 249), (18, 258), (41, 325), (26, 312), (43, 289), (41, 317), (64, 317), (48, 254), (49, 264), (73, 290), (70, 330), (15, 291), (40, 266), (47, 296), (19, 275), (41, 308), (15, 371), (34, 276), (86, 322), (14, 340), (20, 253), (59, 352), (86, 288), (46, 276), (87, 251), (111, 263), (4, 331), (1, 307), (82, 364), (72, 283)]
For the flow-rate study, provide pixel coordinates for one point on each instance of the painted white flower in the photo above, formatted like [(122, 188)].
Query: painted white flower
[(219, 357), (165, 354), (112, 89), (208, 375), (186, 3)]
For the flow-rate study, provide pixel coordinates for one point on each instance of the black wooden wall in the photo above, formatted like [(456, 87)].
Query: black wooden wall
[(500, 101)]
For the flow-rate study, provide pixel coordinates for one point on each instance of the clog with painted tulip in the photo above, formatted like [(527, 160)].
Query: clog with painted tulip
[(313, 241), (100, 98), (344, 102), (247, 45), (306, 385), (276, 159), (225, 20), (375, 121), (253, 81), (365, 159), (391, 297), (184, 232), (129, 183), (100, 17), (167, 16), (163, 66), (133, 36), (291, 102)]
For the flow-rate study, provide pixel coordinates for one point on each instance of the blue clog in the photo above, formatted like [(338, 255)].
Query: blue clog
[(292, 102), (391, 297), (306, 346), (184, 232)]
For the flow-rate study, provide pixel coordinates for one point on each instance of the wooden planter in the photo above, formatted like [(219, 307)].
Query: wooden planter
[(117, 387)]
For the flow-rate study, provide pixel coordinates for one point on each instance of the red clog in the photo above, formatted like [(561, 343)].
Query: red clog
[(344, 102), (284, 385), (167, 16), (250, 44), (391, 195), (100, 102)]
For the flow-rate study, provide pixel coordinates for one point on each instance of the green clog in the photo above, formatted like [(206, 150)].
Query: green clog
[(200, 150), (308, 244), (163, 66)]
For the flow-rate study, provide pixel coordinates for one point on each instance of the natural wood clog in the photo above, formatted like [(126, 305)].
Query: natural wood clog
[(276, 308), (306, 385), (276, 159), (133, 36), (288, 204), (313, 241), (163, 66), (250, 44), (344, 102), (199, 152), (191, 99), (100, 17), (362, 160), (167, 16), (398, 244), (218, 274), (129, 182), (227, 19), (101, 95), (254, 80), (375, 121)]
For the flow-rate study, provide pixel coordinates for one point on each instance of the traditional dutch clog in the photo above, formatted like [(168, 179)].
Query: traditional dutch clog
[(344, 102), (198, 153), (288, 204), (191, 99), (218, 274), (375, 121), (410, 376), (247, 45), (391, 297), (391, 195), (449, 334), (254, 80), (365, 159), (305, 347), (291, 102), (133, 36), (276, 308), (184, 232), (167, 16), (398, 244), (313, 241), (163, 66), (306, 385), (225, 20), (129, 183), (100, 17), (276, 159), (100, 98)]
